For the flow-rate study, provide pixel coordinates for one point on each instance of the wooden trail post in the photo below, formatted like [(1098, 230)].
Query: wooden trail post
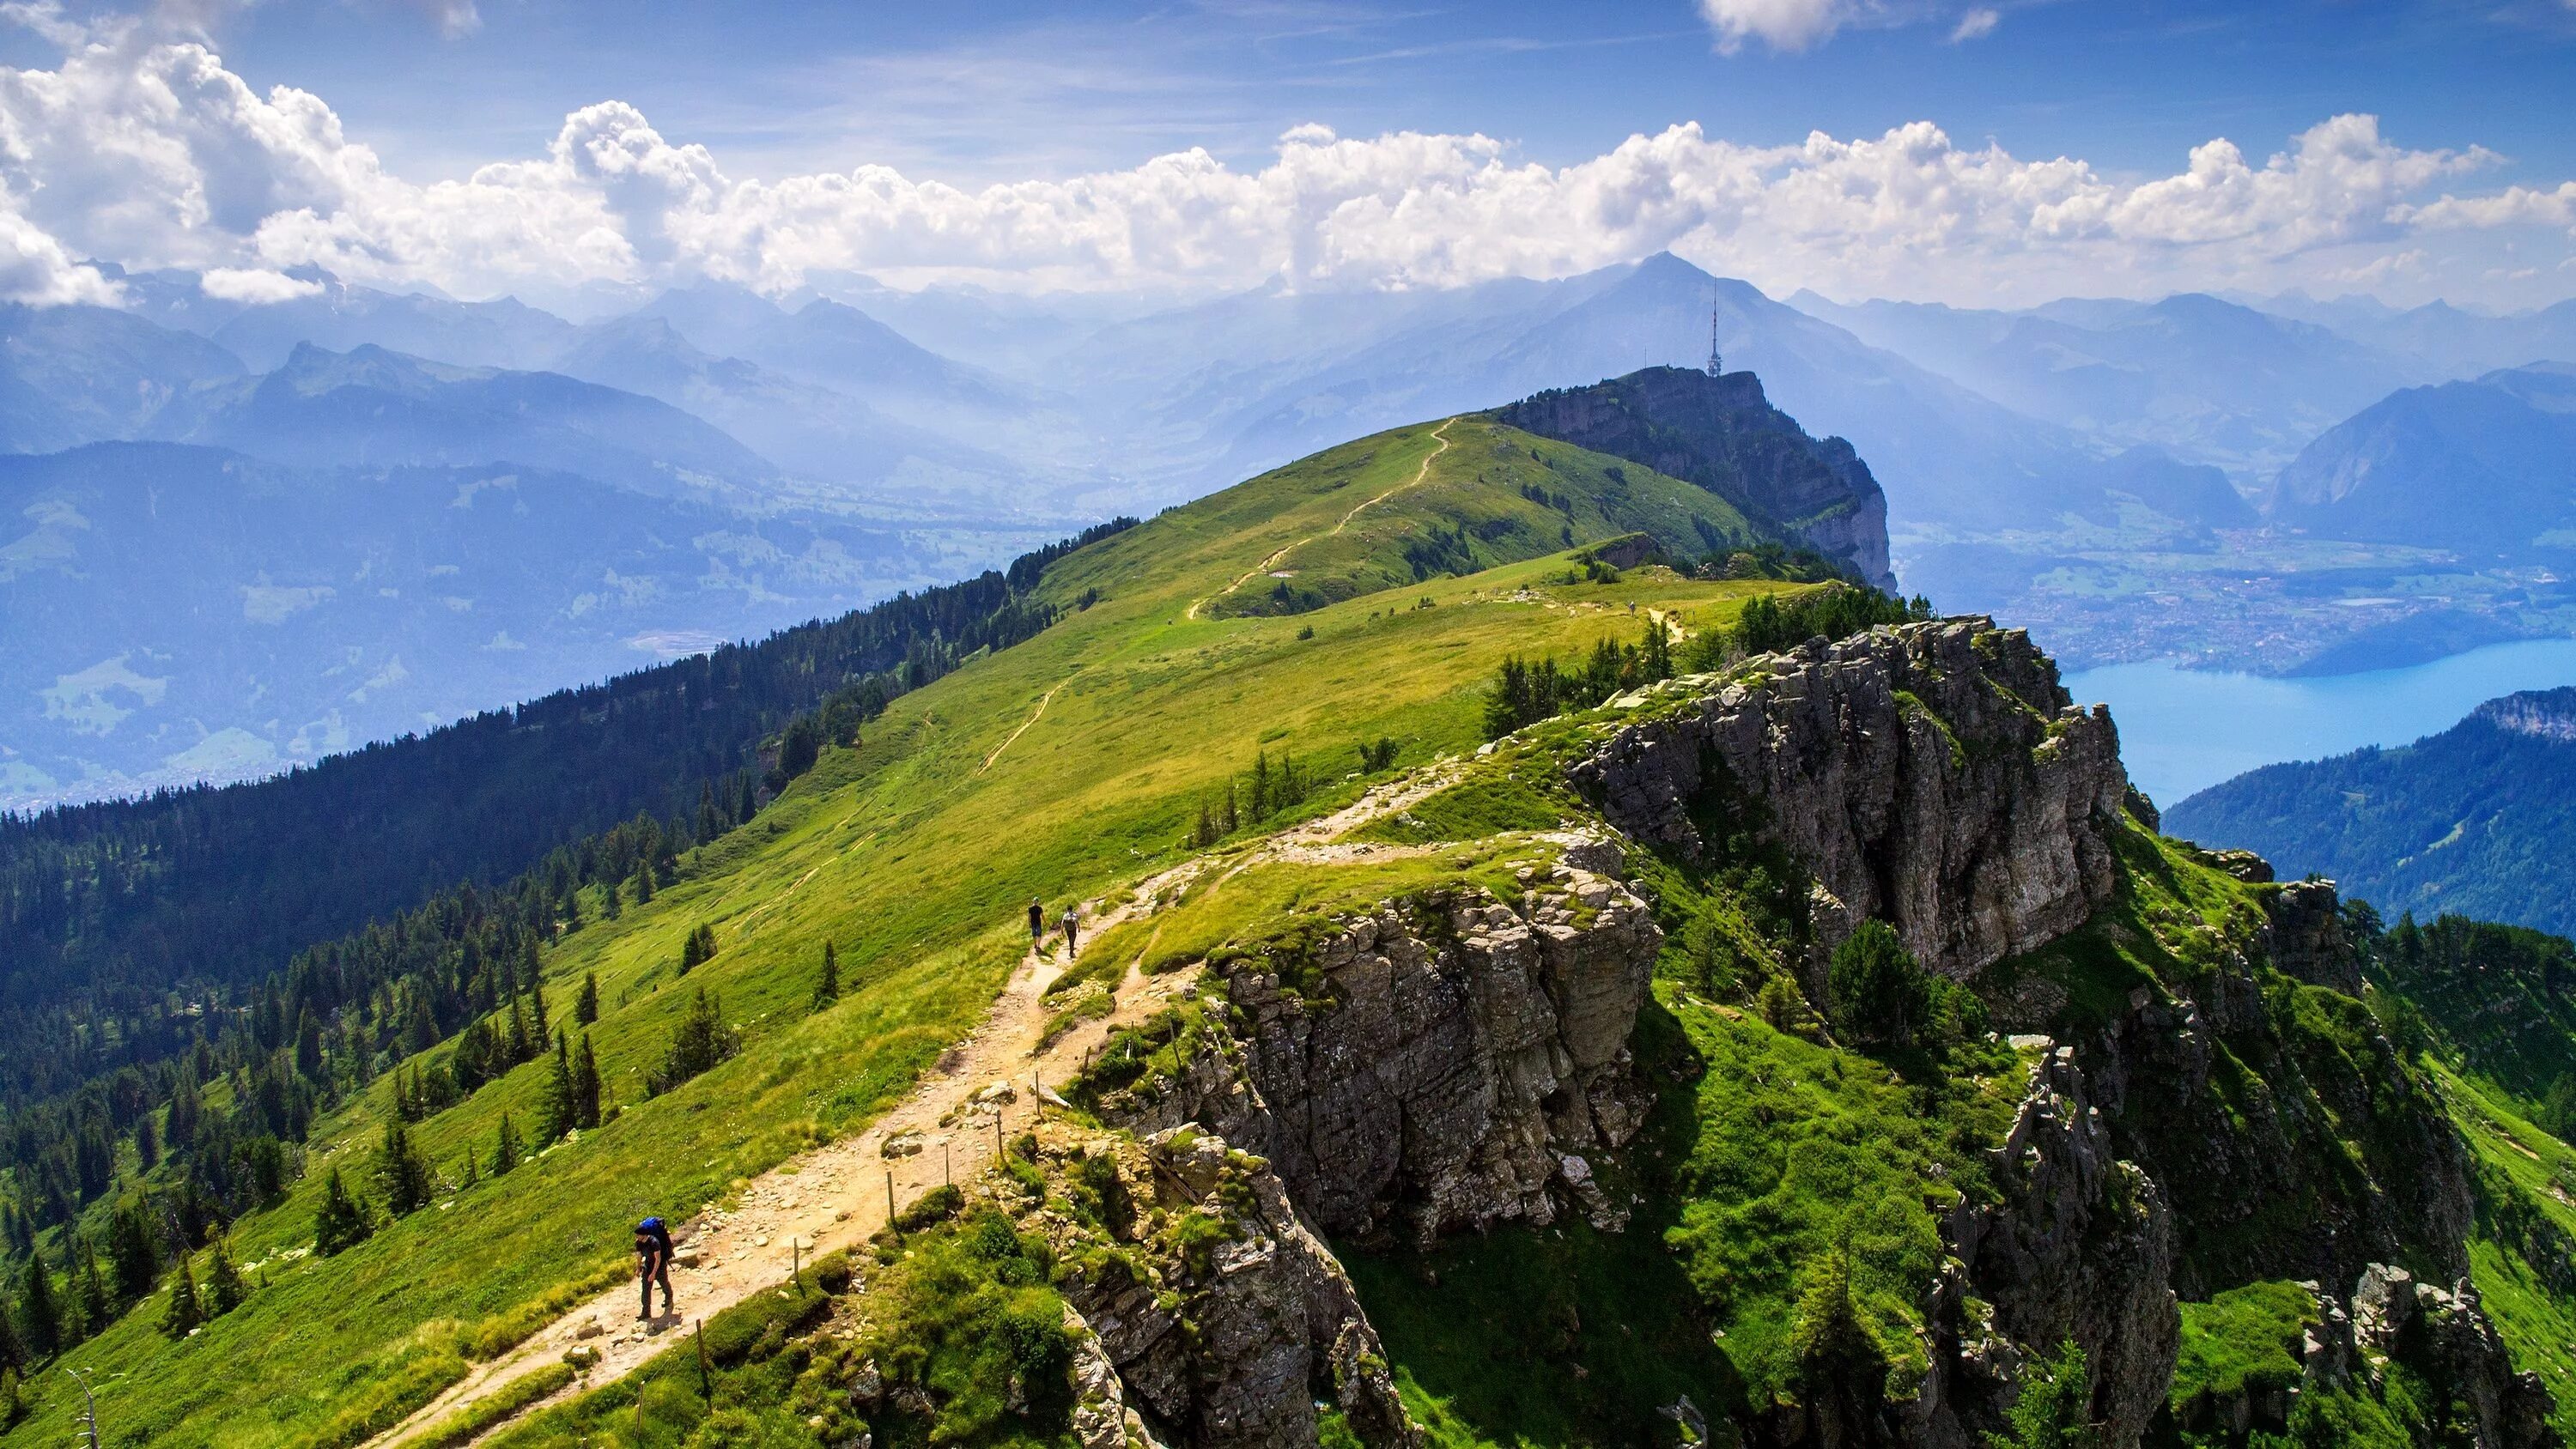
[(706, 1384), (944, 1179), (795, 1260), (890, 1198)]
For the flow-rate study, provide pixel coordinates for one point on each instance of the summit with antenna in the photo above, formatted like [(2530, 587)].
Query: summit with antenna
[(1713, 318)]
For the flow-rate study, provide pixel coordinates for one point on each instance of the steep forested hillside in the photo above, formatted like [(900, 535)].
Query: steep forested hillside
[(2478, 820)]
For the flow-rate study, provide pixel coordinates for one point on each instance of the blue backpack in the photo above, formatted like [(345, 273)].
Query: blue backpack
[(660, 1234)]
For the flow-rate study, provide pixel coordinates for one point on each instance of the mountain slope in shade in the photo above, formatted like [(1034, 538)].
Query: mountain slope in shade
[(2479, 819), (2481, 467), (263, 614), (375, 408), (1722, 434)]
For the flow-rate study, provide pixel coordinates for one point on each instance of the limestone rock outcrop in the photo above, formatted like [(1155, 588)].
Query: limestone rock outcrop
[(1455, 1067), (1935, 776), (2080, 1247), (1244, 1328), (2446, 1335)]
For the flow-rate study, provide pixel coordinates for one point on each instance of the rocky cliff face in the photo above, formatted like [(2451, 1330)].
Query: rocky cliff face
[(1238, 1333), (2080, 1247), (1935, 776), (1723, 434), (1453, 1070)]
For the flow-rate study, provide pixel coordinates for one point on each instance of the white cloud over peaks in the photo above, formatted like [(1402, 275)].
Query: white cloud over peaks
[(1976, 25), (150, 152), (1780, 24), (255, 285)]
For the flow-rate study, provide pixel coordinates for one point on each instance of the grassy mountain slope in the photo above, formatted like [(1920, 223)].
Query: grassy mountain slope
[(1053, 769)]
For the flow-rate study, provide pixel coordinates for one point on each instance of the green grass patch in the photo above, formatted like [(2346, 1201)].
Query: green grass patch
[(469, 1423), (2243, 1340)]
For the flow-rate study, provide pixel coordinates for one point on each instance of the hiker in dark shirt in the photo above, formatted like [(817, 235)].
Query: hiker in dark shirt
[(1037, 922), (653, 1264)]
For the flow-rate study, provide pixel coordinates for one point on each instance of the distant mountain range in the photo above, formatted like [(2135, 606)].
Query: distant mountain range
[(2487, 468), (2100, 470), (2479, 819), (263, 614), (2211, 381)]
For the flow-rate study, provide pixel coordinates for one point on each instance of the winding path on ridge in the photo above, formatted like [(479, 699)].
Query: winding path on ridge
[(1439, 435), (836, 1196)]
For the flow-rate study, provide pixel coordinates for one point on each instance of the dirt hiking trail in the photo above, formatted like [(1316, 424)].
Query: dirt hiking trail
[(1439, 435), (835, 1196)]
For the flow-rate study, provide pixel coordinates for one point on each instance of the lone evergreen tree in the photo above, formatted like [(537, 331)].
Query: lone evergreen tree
[(184, 1312), (585, 1007), (403, 1173), (225, 1289), (340, 1223), (507, 1148), (701, 1041), (555, 1109), (827, 987), (585, 1086)]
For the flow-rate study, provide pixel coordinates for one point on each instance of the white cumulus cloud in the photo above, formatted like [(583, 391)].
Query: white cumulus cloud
[(1780, 24), (1976, 24), (256, 285), (144, 149)]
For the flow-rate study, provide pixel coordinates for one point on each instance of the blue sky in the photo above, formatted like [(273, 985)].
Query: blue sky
[(991, 92), (984, 95)]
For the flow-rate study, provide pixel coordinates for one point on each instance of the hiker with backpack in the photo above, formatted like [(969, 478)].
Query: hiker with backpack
[(1071, 922), (653, 1264)]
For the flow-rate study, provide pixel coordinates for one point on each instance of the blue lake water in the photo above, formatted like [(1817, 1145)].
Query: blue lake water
[(2183, 730)]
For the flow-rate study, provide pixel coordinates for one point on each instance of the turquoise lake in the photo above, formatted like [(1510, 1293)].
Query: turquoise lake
[(2183, 730)]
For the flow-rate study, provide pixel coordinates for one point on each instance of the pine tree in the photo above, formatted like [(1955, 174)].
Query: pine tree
[(827, 987), (537, 1007), (225, 1289), (90, 1297), (342, 1222), (133, 1252), (644, 882), (585, 1086), (520, 1043), (13, 1349), (180, 1131), (701, 1041), (147, 1143), (506, 1149), (40, 1318), (555, 1109), (403, 1175), (585, 1007), (471, 1174), (308, 1046), (184, 1312)]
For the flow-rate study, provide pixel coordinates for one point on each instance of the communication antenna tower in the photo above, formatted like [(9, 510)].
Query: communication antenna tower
[(1713, 320)]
